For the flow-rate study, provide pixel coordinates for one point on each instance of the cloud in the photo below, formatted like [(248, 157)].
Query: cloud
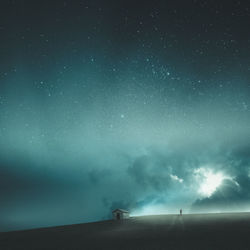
[(234, 193), (230, 196), (160, 178), (150, 172), (157, 170)]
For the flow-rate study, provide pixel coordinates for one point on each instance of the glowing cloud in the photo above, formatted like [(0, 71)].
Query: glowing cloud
[(210, 181)]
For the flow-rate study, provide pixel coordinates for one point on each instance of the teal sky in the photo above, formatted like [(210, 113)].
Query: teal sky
[(107, 104)]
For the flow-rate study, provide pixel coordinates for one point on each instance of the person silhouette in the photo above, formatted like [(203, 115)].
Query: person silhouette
[(181, 212)]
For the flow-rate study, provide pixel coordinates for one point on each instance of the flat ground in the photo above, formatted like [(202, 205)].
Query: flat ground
[(196, 231)]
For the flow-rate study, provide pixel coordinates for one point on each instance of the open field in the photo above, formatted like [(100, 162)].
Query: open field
[(194, 231)]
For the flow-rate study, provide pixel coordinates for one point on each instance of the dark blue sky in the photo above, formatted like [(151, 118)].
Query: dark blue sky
[(106, 104)]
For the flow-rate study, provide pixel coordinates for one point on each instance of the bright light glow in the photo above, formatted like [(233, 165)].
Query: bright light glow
[(151, 209), (210, 181), (210, 184)]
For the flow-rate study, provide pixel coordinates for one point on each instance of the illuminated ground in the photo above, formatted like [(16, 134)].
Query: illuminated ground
[(203, 231)]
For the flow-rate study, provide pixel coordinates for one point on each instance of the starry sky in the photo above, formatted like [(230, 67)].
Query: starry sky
[(140, 105)]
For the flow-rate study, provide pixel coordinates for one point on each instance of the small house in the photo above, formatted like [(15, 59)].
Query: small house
[(120, 214)]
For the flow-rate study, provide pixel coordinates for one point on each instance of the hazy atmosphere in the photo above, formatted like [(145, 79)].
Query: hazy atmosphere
[(142, 105)]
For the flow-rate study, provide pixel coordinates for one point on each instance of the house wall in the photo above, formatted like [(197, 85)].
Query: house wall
[(125, 215), (122, 215), (114, 216)]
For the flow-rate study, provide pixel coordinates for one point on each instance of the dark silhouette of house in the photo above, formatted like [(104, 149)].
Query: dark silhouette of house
[(120, 214)]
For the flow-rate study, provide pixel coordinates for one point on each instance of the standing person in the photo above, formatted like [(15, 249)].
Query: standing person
[(181, 212)]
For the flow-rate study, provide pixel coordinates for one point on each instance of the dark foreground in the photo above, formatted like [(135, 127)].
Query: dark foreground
[(208, 231)]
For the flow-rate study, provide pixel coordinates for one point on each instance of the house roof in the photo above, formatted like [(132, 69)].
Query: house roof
[(120, 210)]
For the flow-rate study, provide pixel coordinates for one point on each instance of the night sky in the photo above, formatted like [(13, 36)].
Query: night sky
[(140, 105)]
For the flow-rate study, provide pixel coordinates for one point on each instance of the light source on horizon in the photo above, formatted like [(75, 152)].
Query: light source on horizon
[(150, 209)]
